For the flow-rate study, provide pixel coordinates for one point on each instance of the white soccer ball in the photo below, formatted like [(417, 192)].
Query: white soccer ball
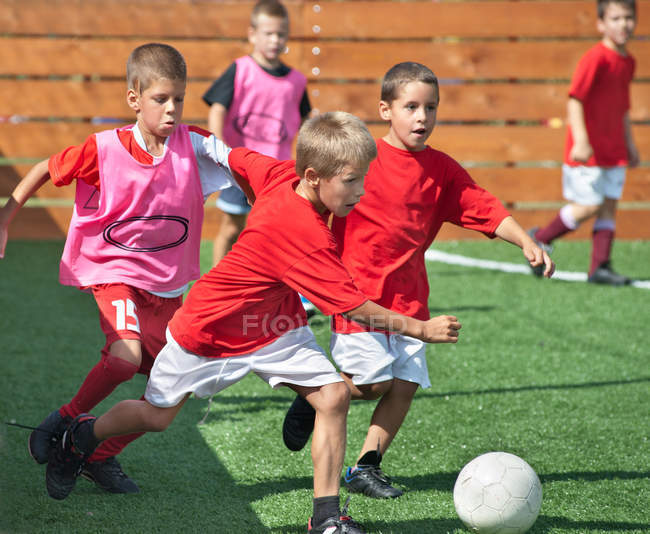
[(498, 493)]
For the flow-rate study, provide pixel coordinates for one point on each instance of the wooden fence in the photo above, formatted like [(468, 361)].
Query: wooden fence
[(504, 68)]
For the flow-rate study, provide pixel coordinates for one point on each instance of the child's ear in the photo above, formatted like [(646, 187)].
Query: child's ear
[(311, 177), (133, 100), (384, 110)]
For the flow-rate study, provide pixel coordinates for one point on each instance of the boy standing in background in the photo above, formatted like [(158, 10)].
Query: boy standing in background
[(599, 141), (258, 102), (411, 190)]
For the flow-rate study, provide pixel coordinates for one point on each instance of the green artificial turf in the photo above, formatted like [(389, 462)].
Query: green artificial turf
[(555, 372)]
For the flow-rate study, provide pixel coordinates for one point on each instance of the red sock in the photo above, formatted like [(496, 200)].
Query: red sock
[(556, 228), (601, 248), (107, 374)]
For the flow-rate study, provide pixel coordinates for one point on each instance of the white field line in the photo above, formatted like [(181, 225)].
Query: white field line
[(505, 267)]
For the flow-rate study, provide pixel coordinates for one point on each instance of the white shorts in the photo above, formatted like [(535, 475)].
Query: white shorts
[(294, 358), (372, 357), (589, 186)]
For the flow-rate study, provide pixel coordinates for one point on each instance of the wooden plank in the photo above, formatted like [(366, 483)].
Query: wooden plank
[(362, 20), (465, 143), (466, 102), (491, 60), (127, 18), (539, 184), (471, 102), (390, 19), (52, 223)]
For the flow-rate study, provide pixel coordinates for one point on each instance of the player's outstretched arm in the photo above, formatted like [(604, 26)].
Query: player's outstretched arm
[(509, 230), (33, 180), (441, 329)]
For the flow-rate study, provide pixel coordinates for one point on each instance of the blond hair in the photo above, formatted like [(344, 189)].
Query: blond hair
[(151, 62), (329, 142)]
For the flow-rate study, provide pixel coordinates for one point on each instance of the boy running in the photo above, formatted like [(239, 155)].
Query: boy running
[(411, 189), (134, 236)]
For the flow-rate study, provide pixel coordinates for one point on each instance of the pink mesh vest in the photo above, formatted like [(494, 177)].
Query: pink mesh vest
[(265, 111), (143, 227)]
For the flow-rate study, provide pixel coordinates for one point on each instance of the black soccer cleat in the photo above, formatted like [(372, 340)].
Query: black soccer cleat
[(108, 475), (66, 461), (370, 481), (343, 524), (298, 424), (46, 435), (605, 275)]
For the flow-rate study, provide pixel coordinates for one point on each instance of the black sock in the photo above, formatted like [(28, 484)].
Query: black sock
[(371, 458), (325, 507), (83, 437)]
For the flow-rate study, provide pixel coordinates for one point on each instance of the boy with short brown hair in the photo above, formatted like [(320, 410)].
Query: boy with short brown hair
[(134, 236), (411, 190)]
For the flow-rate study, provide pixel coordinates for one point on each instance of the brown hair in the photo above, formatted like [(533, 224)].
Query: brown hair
[(270, 8), (403, 73), (153, 61), (602, 6), (332, 140)]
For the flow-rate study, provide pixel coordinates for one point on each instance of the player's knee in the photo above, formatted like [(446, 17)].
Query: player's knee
[(116, 369), (335, 398), (375, 391), (158, 419)]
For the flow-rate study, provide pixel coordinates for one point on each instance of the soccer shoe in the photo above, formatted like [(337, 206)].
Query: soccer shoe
[(343, 524), (46, 435), (371, 481), (605, 275), (298, 424), (539, 270), (66, 461), (108, 475)]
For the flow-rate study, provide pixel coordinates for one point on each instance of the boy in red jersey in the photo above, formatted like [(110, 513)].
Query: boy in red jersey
[(134, 237), (411, 189), (599, 141), (245, 314)]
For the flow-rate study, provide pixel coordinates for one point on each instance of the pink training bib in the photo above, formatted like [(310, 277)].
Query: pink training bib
[(265, 111), (143, 227)]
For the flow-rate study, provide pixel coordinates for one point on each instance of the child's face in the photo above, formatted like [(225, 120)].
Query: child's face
[(617, 25), (269, 38), (340, 193), (160, 106), (412, 116)]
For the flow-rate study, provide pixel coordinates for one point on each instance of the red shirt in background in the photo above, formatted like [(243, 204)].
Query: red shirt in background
[(601, 82)]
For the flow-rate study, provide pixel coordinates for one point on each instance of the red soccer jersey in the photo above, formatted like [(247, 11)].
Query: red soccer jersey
[(408, 195), (602, 83), (250, 297)]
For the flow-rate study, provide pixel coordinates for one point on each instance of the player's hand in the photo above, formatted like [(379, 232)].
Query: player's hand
[(581, 152), (536, 257), (441, 329)]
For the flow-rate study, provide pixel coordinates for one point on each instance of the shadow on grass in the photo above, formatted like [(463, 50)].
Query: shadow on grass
[(518, 389)]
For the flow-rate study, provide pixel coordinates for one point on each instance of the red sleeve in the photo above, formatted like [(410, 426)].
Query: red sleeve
[(76, 162), (472, 206), (332, 289), (255, 172), (583, 77)]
